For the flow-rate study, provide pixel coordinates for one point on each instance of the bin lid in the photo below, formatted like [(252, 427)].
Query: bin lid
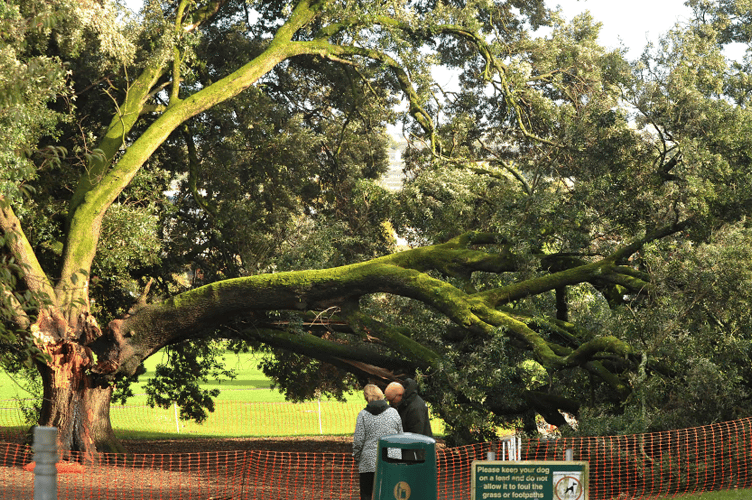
[(407, 438)]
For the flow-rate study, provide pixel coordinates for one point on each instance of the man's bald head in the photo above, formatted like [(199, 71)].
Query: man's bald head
[(393, 393)]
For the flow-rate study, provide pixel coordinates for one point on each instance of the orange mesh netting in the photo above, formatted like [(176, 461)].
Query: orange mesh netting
[(646, 466), (656, 465)]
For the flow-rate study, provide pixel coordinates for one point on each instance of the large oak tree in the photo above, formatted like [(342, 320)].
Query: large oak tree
[(532, 193)]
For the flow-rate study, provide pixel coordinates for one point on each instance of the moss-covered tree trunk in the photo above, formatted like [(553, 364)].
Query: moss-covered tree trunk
[(84, 360)]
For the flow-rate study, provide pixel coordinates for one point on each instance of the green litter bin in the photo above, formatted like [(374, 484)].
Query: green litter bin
[(406, 468)]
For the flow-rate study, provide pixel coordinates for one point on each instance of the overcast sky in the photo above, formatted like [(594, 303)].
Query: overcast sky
[(632, 23)]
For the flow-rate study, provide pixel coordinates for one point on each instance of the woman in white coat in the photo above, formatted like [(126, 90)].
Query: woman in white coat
[(376, 420)]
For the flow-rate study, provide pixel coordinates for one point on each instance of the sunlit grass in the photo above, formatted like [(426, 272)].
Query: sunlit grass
[(246, 406), (714, 495)]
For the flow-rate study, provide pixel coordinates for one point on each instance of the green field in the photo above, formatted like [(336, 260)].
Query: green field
[(718, 495), (246, 406), (250, 384)]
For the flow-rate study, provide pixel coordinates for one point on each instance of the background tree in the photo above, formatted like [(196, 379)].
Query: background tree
[(628, 150)]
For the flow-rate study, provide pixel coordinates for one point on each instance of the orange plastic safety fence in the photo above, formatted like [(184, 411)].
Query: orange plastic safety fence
[(644, 466), (201, 476)]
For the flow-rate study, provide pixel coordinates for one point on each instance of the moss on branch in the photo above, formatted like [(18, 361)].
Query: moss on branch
[(534, 286), (215, 304)]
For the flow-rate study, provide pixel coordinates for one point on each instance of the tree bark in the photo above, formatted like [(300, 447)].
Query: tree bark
[(75, 402)]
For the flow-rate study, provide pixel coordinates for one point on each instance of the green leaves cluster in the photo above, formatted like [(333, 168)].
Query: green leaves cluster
[(178, 380), (571, 152), (28, 82), (18, 308)]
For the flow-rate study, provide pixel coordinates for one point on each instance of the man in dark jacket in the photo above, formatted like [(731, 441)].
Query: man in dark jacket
[(410, 406)]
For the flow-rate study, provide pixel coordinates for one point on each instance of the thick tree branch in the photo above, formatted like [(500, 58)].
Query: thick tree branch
[(19, 247), (340, 354), (398, 341), (100, 188), (212, 305)]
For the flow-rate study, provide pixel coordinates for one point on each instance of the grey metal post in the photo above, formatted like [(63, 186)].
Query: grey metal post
[(45, 456), (569, 455)]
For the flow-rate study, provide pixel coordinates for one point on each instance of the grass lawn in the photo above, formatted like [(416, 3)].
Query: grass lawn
[(246, 406), (718, 495), (249, 385)]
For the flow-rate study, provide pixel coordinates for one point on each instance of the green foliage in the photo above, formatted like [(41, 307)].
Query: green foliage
[(28, 83), (131, 244), (18, 351), (129, 238), (279, 173), (698, 329), (17, 308), (179, 380), (474, 370), (301, 379), (575, 152)]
